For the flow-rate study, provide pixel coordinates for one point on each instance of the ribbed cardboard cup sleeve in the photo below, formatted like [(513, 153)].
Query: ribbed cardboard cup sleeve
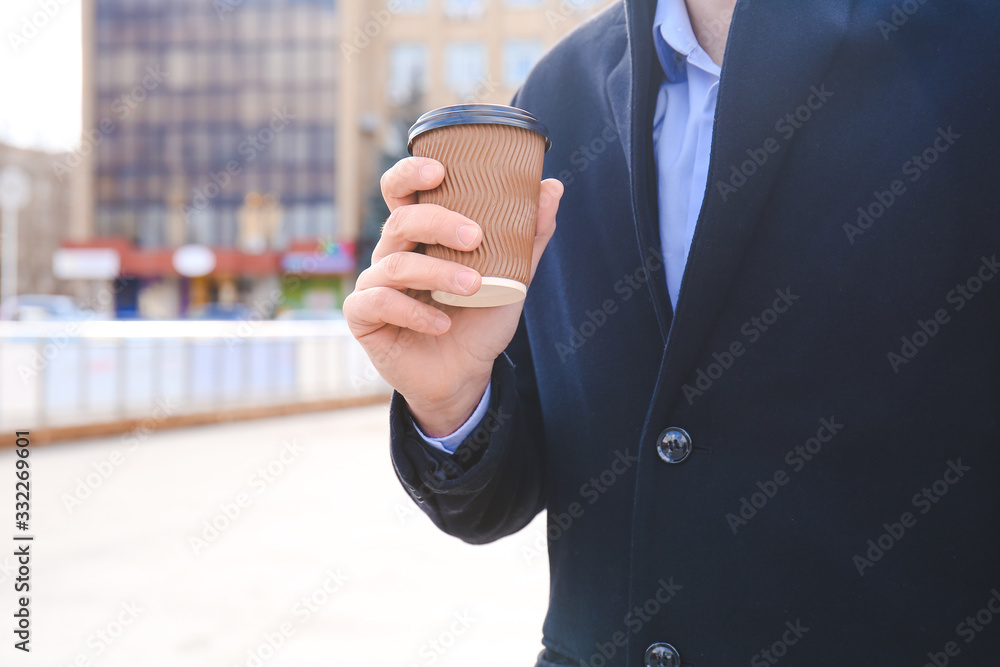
[(492, 176)]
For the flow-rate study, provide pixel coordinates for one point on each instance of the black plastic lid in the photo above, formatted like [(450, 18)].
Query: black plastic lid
[(470, 114)]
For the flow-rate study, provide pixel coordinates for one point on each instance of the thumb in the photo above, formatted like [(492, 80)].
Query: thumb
[(548, 204)]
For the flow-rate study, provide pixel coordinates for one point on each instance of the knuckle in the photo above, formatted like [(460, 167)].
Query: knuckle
[(443, 273), (348, 308), (405, 167), (363, 279), (416, 315), (389, 181), (393, 266), (378, 298), (353, 310), (394, 222), (436, 220)]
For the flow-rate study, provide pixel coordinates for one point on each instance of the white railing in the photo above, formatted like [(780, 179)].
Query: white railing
[(72, 373)]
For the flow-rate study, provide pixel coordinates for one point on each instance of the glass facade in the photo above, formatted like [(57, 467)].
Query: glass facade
[(465, 67), (464, 9), (519, 56), (407, 73), (206, 108)]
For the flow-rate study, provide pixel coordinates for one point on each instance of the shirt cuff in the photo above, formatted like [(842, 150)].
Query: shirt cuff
[(449, 443)]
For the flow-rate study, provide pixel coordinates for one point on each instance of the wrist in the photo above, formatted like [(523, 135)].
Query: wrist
[(442, 417)]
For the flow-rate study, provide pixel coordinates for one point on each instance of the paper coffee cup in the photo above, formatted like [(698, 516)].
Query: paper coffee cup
[(493, 157)]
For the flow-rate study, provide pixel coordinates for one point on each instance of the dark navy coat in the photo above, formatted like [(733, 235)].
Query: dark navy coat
[(834, 357)]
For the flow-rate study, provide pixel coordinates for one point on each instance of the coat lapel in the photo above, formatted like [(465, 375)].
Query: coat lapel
[(632, 87), (777, 51)]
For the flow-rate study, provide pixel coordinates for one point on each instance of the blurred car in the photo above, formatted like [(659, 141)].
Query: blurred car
[(307, 314), (42, 308), (219, 311)]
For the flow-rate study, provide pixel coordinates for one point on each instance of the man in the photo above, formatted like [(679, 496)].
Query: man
[(756, 380)]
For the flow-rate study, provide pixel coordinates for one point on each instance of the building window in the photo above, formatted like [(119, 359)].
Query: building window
[(464, 9), (407, 73), (411, 6), (465, 65), (523, 3), (519, 56)]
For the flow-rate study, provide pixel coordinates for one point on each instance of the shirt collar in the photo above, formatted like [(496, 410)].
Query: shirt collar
[(676, 44)]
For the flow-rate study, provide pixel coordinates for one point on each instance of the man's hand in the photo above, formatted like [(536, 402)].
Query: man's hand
[(438, 357)]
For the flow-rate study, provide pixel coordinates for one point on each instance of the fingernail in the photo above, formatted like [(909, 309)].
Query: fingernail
[(441, 323), (465, 279), (468, 234), (429, 172)]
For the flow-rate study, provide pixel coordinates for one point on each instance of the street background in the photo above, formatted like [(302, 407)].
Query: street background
[(329, 547)]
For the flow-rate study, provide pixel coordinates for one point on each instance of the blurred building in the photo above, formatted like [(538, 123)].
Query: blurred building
[(231, 145), (212, 124), (405, 57), (44, 222)]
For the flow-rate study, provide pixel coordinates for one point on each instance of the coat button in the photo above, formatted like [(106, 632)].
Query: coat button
[(662, 655), (674, 445)]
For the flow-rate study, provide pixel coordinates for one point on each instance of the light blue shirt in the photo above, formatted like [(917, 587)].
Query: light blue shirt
[(682, 134), (682, 141)]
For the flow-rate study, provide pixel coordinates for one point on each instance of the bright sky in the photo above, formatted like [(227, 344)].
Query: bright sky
[(40, 69)]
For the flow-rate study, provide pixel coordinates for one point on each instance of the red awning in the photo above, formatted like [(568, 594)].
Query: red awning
[(158, 262)]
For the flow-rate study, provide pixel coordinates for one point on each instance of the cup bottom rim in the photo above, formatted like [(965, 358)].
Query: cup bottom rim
[(493, 292)]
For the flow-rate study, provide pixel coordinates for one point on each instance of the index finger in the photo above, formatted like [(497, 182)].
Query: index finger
[(408, 176)]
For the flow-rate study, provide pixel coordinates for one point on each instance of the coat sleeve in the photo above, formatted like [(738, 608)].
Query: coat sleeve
[(493, 485)]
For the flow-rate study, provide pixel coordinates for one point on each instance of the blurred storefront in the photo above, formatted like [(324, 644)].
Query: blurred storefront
[(317, 278), (212, 282)]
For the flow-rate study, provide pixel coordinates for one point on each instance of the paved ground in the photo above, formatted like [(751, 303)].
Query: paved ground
[(326, 559)]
